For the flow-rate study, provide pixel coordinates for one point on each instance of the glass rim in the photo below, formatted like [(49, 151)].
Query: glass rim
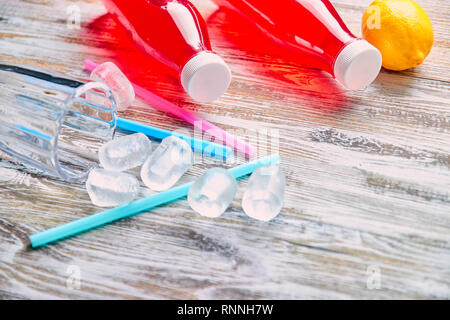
[(65, 173)]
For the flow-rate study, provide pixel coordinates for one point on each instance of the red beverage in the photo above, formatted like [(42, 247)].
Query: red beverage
[(173, 32), (318, 36)]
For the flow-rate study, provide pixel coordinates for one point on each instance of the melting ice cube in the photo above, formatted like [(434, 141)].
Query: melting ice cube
[(111, 188), (211, 194), (171, 159), (263, 198), (125, 152), (109, 74)]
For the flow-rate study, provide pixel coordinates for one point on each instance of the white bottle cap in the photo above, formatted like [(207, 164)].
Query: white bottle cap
[(205, 77), (357, 65)]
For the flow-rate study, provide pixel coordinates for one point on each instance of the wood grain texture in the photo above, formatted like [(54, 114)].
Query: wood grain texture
[(368, 176)]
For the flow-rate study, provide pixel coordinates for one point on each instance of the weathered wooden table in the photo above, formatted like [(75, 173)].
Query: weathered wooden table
[(367, 208)]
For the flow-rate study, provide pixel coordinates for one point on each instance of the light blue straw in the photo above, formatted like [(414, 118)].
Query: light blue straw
[(145, 204), (213, 149)]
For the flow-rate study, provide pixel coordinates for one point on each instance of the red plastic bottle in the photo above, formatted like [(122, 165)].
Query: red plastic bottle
[(317, 34), (173, 32)]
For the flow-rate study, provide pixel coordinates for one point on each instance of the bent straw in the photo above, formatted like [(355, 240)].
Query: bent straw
[(96, 220), (201, 146), (162, 104)]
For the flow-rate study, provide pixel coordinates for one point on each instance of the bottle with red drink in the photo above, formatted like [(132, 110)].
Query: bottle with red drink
[(316, 33), (173, 32)]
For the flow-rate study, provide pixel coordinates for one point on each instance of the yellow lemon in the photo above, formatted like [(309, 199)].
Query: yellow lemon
[(401, 30)]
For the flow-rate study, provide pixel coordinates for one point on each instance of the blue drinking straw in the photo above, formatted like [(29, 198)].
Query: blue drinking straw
[(213, 149), (127, 210)]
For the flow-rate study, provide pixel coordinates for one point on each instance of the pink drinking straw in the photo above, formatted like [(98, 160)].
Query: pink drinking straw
[(163, 105)]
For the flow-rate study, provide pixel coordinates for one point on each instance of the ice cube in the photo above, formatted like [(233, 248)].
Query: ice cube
[(125, 152), (263, 198), (122, 89), (211, 194), (111, 188), (170, 160)]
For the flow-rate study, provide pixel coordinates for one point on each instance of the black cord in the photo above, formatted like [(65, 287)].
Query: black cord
[(41, 75)]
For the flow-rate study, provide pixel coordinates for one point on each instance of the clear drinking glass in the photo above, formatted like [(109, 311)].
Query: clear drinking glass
[(47, 122)]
